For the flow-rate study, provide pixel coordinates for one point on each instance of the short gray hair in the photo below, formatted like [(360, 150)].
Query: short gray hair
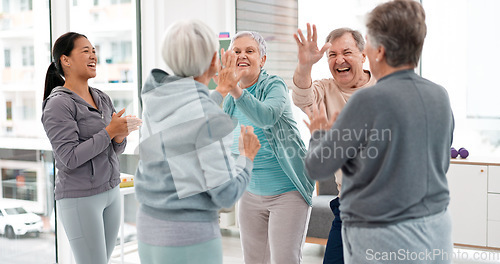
[(188, 47), (256, 36), (339, 32), (398, 26)]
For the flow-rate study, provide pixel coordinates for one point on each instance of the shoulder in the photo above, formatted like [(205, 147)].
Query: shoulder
[(59, 106), (59, 100), (271, 82)]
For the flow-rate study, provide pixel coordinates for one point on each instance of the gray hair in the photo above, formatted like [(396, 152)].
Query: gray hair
[(398, 26), (339, 32), (256, 36), (188, 47)]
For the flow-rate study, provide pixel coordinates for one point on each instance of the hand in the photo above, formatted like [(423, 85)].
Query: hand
[(121, 126), (317, 118), (228, 77), (133, 123), (309, 53), (249, 143)]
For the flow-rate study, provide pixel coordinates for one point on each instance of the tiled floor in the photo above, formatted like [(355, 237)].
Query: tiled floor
[(313, 254)]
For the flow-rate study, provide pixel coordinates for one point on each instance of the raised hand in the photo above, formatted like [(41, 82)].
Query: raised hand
[(249, 143), (228, 77), (309, 53), (318, 119)]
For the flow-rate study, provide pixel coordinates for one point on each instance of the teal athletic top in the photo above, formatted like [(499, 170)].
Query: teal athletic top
[(269, 109), (268, 178)]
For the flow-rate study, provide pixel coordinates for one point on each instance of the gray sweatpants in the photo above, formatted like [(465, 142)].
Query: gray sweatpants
[(421, 240), (273, 228), (91, 224)]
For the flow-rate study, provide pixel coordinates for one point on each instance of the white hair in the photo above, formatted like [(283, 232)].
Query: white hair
[(188, 47), (256, 36)]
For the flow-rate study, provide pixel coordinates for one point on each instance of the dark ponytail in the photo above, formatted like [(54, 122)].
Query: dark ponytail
[(63, 46)]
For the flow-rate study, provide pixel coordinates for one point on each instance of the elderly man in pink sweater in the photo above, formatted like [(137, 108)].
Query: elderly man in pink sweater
[(344, 49)]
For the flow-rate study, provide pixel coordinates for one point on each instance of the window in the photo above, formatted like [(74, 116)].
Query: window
[(29, 112), (26, 5), (122, 51), (28, 56), (6, 56), (468, 77), (8, 107), (6, 6), (19, 184), (26, 168)]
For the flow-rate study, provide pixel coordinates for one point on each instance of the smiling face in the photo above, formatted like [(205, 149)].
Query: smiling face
[(82, 60), (346, 61), (249, 60)]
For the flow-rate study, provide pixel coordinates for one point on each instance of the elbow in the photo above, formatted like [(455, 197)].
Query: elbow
[(70, 165), (69, 161)]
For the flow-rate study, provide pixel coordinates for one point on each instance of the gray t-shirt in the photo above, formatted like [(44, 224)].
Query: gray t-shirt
[(392, 142)]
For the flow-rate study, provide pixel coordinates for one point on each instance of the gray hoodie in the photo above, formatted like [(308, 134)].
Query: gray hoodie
[(186, 172), (86, 157)]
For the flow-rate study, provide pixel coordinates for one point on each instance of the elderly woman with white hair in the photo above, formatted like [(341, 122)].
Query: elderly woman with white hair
[(186, 173), (274, 211)]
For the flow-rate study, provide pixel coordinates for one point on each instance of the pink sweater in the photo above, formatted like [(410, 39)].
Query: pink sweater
[(326, 91)]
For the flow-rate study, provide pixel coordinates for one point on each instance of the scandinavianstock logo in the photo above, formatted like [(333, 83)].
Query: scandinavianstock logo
[(351, 143)]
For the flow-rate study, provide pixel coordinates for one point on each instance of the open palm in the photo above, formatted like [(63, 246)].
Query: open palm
[(308, 53)]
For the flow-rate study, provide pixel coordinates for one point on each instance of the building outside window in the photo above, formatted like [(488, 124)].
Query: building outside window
[(6, 57), (28, 56), (26, 5)]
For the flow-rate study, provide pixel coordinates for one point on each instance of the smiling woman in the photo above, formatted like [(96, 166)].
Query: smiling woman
[(275, 208), (86, 135)]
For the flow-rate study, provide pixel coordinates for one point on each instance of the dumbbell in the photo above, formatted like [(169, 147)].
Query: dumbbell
[(463, 153), (454, 153)]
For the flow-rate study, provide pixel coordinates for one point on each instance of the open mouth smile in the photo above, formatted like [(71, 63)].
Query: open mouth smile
[(346, 69)]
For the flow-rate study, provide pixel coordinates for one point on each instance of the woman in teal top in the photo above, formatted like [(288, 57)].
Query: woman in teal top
[(274, 211)]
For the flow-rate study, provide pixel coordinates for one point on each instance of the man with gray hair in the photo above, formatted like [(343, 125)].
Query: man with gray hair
[(344, 49)]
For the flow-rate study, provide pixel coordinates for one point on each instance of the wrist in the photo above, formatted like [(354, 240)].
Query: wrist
[(236, 93), (248, 157), (302, 77), (110, 133), (223, 90)]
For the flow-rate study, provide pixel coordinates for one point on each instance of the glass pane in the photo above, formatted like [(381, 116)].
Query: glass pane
[(111, 28), (26, 170), (473, 96)]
